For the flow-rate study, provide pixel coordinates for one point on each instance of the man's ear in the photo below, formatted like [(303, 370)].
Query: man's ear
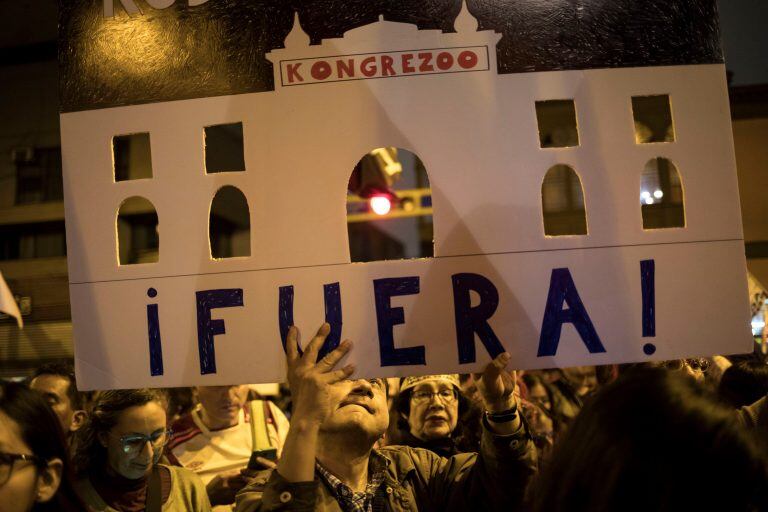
[(78, 420), (48, 480)]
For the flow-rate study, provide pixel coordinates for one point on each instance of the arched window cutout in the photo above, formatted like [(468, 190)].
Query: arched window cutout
[(562, 201), (229, 227), (389, 207), (138, 238), (661, 195), (132, 156)]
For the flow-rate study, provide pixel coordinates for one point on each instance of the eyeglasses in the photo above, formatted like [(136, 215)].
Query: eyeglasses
[(133, 444), (8, 460), (446, 396)]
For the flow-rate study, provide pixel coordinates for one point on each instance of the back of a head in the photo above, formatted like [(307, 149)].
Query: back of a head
[(39, 429), (744, 383), (653, 440)]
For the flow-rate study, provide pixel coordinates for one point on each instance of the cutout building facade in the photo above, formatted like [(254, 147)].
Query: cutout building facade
[(438, 95)]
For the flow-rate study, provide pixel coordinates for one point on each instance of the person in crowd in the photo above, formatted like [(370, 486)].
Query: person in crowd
[(180, 402), (568, 391), (117, 457), (582, 379), (538, 391), (653, 440), (56, 382), (215, 439), (329, 463), (34, 464), (537, 409), (744, 383), (433, 414)]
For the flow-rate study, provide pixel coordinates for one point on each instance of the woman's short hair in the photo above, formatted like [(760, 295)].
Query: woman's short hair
[(653, 440)]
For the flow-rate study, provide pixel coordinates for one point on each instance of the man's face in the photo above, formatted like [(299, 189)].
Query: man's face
[(223, 403), (434, 410), (359, 405), (54, 389)]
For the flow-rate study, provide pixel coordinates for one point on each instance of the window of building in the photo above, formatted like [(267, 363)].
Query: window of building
[(39, 240), (661, 195), (653, 119), (137, 232), (229, 228), (224, 148), (38, 175), (562, 200), (557, 123), (389, 207), (132, 156)]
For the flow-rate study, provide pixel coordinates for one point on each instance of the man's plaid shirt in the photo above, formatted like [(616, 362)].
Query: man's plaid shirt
[(351, 501)]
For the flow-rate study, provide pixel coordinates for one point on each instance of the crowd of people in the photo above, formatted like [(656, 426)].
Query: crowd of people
[(679, 435)]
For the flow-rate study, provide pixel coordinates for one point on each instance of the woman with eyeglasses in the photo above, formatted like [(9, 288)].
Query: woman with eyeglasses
[(34, 467), (118, 453), (433, 414)]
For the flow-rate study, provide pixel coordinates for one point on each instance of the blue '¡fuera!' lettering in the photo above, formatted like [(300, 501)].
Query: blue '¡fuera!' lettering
[(207, 327), (155, 344), (387, 317), (471, 320), (332, 295), (562, 289)]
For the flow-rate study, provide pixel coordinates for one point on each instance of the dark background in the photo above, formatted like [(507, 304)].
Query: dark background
[(218, 48)]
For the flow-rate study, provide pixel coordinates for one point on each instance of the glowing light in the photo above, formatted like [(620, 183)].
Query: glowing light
[(757, 326), (658, 194), (649, 200), (380, 205), (645, 194)]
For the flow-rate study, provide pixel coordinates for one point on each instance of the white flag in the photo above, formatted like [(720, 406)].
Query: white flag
[(8, 303)]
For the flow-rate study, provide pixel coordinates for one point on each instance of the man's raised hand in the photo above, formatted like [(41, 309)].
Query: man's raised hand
[(309, 379)]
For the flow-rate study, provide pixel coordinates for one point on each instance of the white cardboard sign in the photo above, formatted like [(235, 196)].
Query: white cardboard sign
[(617, 294)]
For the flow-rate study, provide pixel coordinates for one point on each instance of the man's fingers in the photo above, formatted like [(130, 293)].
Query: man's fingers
[(331, 359), (338, 375), (310, 353), (292, 344)]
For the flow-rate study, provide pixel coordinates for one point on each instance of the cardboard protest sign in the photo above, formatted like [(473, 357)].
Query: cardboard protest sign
[(465, 89)]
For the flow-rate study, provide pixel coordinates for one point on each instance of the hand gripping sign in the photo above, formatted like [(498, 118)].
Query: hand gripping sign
[(462, 87)]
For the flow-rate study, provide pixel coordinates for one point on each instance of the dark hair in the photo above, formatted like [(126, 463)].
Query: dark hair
[(67, 371), (41, 431), (653, 440), (744, 383), (90, 454)]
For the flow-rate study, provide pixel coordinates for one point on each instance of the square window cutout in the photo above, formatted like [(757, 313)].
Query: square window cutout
[(132, 156), (653, 119), (557, 124), (224, 148)]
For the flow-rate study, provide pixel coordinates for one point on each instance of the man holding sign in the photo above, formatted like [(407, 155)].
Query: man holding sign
[(329, 461)]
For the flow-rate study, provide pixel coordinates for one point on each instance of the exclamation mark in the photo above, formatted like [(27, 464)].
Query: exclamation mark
[(648, 286), (153, 332)]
